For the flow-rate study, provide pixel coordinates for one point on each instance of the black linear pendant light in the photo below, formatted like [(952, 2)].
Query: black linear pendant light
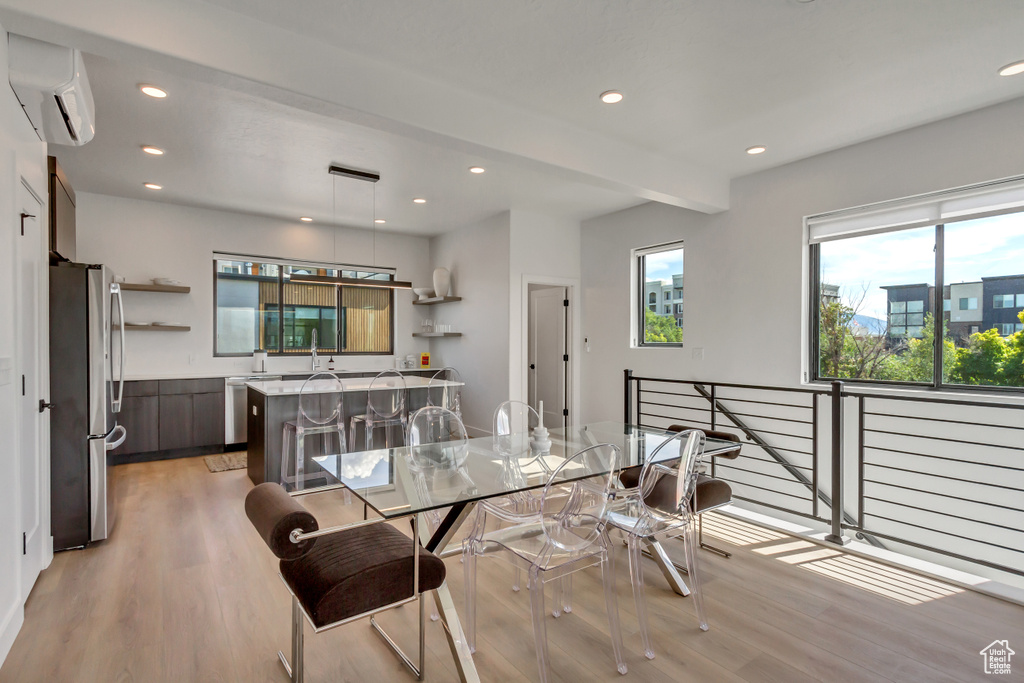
[(369, 177)]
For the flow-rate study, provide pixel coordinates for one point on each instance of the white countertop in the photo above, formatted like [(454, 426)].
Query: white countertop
[(151, 376), (293, 386)]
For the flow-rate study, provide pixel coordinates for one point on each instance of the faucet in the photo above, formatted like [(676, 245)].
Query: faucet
[(316, 362)]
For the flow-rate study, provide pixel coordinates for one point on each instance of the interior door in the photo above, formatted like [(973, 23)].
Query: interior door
[(33, 425), (548, 353)]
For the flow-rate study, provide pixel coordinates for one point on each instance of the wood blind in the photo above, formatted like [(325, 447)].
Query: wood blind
[(367, 319)]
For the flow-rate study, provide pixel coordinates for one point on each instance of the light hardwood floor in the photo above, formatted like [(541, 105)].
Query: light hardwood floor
[(185, 590)]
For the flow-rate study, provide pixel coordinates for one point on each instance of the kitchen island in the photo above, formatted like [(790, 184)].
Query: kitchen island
[(272, 403)]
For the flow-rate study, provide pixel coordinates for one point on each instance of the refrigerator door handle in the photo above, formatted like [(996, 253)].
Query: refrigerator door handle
[(115, 291), (111, 445)]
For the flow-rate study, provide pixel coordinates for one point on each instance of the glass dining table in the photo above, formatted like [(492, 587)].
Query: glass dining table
[(446, 480)]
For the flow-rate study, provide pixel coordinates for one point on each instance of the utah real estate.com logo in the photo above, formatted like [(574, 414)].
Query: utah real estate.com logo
[(997, 657)]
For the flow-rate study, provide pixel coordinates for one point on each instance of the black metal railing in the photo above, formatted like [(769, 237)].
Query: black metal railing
[(938, 474)]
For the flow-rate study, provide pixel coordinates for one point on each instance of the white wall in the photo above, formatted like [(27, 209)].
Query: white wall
[(142, 240), (22, 155), (478, 258), (541, 249), (745, 267)]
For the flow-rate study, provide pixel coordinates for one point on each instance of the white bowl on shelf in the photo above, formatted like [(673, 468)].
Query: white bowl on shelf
[(168, 282), (423, 292)]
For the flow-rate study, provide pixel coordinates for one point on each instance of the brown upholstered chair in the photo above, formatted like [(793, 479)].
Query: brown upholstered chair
[(341, 574), (711, 493)]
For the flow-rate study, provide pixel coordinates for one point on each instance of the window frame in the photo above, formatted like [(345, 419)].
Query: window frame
[(936, 383), (638, 332), (281, 263)]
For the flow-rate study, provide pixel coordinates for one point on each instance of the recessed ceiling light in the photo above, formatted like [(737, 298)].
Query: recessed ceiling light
[(1012, 69), (380, 220), (419, 200), (306, 219), (153, 91), (611, 96), (757, 149), (152, 186), (477, 169), (155, 151)]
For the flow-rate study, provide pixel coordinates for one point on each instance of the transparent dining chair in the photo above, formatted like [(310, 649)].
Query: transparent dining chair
[(436, 456), (652, 513), (321, 415), (552, 543), (444, 389), (385, 408)]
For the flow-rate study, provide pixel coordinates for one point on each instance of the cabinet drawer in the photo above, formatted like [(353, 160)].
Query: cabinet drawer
[(191, 386), (142, 388)]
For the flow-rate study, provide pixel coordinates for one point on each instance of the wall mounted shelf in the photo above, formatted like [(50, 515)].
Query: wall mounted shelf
[(155, 328), (170, 289), (436, 300), (437, 334)]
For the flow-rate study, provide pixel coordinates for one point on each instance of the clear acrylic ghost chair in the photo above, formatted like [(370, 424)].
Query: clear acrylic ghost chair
[(385, 408), (653, 514), (436, 439), (321, 414), (444, 389), (550, 544)]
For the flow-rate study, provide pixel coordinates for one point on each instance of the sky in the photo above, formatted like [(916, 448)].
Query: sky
[(663, 265), (974, 249)]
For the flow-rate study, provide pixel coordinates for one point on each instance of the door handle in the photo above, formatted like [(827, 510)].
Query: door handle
[(43, 405), (532, 366)]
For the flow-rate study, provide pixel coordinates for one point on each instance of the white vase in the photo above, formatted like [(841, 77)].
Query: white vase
[(442, 282)]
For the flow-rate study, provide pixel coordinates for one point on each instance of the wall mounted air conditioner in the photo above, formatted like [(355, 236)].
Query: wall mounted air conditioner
[(51, 85)]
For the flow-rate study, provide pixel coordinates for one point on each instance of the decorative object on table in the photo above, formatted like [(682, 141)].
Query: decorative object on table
[(442, 282), (540, 443), (410, 362), (425, 359), (423, 293), (226, 461), (330, 363), (259, 360)]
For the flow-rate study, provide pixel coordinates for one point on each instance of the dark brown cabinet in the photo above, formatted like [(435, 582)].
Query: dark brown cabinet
[(208, 419), (140, 416), (171, 418), (175, 422)]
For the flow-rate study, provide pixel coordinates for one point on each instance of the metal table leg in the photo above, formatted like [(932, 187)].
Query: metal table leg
[(445, 606), (657, 553)]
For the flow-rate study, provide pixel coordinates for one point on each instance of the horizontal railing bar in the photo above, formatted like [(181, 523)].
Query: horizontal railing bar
[(670, 418), (947, 553), (779, 508), (945, 533), (650, 426), (942, 476), (755, 486), (944, 419), (744, 456), (704, 409), (796, 390), (766, 403), (668, 393), (768, 417), (942, 438), (779, 448), (730, 466), (944, 495), (926, 399), (944, 514), (768, 431), (944, 457)]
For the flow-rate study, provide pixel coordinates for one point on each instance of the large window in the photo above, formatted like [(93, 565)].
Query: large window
[(659, 269), (900, 298), (258, 307)]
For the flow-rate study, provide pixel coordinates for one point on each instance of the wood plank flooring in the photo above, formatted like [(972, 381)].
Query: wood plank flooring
[(185, 590)]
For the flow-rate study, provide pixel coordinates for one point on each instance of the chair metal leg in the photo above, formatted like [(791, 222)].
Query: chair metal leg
[(294, 670), (708, 546)]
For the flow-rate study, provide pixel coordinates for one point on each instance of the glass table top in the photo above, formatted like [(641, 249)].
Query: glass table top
[(398, 482)]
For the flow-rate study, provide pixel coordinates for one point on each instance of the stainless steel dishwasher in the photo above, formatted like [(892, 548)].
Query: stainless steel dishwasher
[(234, 406)]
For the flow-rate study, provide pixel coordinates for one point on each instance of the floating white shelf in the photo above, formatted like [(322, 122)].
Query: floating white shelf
[(437, 334), (436, 300)]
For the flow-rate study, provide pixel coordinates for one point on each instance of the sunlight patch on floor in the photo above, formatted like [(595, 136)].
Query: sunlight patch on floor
[(738, 532), (895, 584)]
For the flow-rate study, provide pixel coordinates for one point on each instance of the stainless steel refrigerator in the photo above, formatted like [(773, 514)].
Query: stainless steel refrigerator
[(86, 387)]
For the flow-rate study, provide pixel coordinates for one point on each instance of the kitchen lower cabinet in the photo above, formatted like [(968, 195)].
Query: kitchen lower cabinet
[(171, 419)]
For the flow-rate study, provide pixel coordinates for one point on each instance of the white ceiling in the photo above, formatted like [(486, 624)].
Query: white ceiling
[(265, 94), (229, 150)]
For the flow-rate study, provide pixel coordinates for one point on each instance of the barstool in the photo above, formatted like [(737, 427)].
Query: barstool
[(444, 389), (385, 407), (321, 412)]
